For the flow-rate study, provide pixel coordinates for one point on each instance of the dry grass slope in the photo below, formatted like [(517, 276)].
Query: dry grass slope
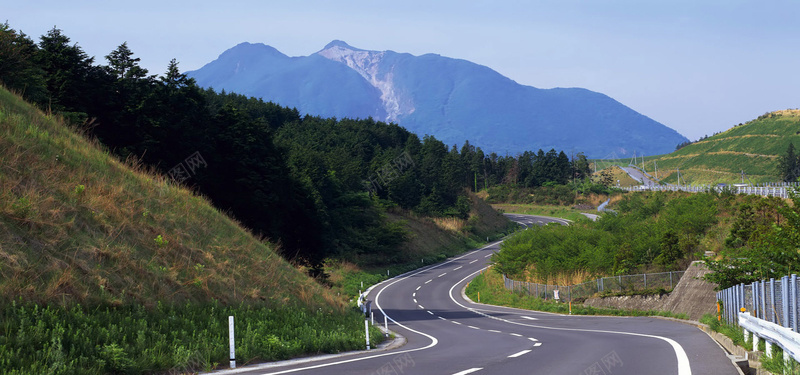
[(79, 226)]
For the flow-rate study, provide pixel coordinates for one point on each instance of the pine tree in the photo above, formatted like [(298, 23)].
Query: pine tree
[(788, 165)]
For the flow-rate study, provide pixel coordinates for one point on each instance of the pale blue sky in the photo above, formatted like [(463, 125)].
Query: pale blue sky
[(697, 66)]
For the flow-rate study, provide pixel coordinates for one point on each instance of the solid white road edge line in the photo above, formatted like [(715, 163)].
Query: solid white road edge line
[(683, 360)]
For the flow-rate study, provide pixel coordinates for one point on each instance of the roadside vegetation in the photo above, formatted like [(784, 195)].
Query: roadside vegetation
[(488, 288)]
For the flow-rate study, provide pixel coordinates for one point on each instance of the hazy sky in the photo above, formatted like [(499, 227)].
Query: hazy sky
[(696, 66)]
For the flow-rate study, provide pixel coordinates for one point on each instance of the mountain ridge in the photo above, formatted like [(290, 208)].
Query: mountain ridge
[(453, 99)]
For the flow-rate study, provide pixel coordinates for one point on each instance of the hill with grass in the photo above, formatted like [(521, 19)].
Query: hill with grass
[(109, 268), (78, 225), (753, 148)]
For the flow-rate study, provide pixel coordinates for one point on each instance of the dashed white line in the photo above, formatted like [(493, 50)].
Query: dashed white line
[(419, 287), (441, 318), (515, 334), (465, 372), (459, 323), (488, 256), (415, 300), (457, 268), (442, 274), (532, 339), (495, 331), (515, 355), (429, 312), (529, 318), (473, 327), (537, 344), (414, 294), (428, 281), (473, 261), (420, 306)]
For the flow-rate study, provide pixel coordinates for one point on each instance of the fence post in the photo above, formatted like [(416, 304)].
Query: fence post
[(754, 291), (670, 280), (645, 281)]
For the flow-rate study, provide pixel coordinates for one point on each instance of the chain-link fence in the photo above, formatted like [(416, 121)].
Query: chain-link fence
[(772, 300), (613, 284)]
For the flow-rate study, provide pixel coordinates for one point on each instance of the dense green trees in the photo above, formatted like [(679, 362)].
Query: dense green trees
[(789, 165), (651, 231), (762, 244)]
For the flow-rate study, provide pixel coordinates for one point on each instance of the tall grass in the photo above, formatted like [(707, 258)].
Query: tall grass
[(187, 338)]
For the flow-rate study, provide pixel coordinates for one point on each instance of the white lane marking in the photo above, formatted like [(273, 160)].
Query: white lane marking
[(428, 281), (515, 334), (429, 312), (488, 256), (457, 268), (532, 339), (441, 318), (419, 287), (456, 322), (537, 344), (434, 340), (465, 372), (420, 306), (473, 327), (683, 360), (495, 331), (473, 261), (415, 300), (515, 355), (442, 274), (529, 318), (414, 294)]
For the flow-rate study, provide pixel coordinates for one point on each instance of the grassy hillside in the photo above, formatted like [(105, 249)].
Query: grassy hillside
[(753, 147), (76, 225), (106, 268)]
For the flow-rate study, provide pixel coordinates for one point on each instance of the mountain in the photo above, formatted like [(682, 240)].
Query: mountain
[(454, 100), (753, 148)]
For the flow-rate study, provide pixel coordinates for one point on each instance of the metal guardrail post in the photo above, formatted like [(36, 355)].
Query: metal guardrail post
[(772, 316), (763, 299), (793, 292), (785, 300)]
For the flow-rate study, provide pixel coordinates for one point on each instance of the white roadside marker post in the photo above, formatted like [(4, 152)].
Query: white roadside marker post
[(230, 335), (372, 318), (386, 325), (366, 329)]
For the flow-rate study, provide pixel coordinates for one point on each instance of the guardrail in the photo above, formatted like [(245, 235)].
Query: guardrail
[(666, 280), (768, 305), (767, 190)]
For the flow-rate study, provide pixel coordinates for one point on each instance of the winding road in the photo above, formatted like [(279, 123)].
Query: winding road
[(449, 334)]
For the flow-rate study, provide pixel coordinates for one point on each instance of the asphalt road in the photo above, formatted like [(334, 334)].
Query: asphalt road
[(447, 334)]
